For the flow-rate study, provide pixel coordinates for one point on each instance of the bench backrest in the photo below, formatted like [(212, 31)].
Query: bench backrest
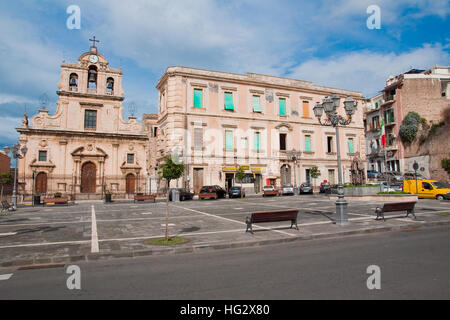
[(398, 206), (274, 216)]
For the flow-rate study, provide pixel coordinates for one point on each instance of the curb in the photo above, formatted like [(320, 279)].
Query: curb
[(45, 261)]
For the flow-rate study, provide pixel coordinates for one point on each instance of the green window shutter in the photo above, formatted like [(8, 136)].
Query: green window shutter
[(228, 99), (198, 96), (282, 102), (256, 105), (257, 141), (307, 144), (228, 139), (350, 145)]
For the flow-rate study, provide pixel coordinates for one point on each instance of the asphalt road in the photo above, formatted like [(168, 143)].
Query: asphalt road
[(414, 264)]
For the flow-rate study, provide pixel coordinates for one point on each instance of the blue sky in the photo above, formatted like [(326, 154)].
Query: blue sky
[(326, 42)]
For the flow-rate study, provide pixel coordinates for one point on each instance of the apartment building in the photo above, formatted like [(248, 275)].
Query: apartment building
[(219, 122)]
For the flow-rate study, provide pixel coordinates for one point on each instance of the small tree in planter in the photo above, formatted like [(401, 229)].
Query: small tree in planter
[(315, 173), (240, 175), (170, 170), (5, 179)]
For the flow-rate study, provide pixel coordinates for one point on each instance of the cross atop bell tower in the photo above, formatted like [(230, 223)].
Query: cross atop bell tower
[(93, 47)]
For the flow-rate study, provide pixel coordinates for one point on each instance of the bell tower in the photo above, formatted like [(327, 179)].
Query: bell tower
[(92, 76)]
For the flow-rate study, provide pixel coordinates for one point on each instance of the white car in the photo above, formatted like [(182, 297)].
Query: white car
[(287, 189)]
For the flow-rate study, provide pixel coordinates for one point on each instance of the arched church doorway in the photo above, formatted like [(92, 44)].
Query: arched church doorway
[(88, 177), (130, 183), (41, 182)]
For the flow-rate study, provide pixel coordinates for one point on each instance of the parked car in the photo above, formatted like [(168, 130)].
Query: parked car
[(391, 176), (412, 176), (270, 191), (306, 188), (214, 192), (184, 194), (372, 174), (393, 187), (324, 186), (287, 189), (236, 192)]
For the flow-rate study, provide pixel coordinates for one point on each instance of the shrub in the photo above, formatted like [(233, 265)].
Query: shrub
[(446, 164), (410, 126)]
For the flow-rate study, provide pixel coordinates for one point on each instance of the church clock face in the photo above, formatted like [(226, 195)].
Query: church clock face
[(93, 58)]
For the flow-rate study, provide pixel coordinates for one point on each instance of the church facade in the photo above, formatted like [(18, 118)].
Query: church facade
[(86, 148)]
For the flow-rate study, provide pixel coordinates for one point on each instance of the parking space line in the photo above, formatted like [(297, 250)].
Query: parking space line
[(94, 238), (5, 276)]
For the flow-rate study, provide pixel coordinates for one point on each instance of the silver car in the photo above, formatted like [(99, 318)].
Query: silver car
[(287, 189)]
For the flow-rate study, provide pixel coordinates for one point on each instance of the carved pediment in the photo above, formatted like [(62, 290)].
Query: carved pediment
[(89, 151)]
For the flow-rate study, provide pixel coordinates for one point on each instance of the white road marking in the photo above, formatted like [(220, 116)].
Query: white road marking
[(7, 234), (170, 225), (145, 213), (94, 238), (5, 276), (238, 208)]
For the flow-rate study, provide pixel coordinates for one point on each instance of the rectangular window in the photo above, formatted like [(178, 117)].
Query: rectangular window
[(43, 156), (90, 119), (244, 143), (198, 98), (130, 158), (389, 116), (228, 139), (350, 146), (306, 109), (307, 143), (256, 104), (329, 144), (228, 99), (283, 141), (198, 138), (282, 105), (257, 141)]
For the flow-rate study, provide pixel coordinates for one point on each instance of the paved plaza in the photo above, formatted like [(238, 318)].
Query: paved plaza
[(95, 230)]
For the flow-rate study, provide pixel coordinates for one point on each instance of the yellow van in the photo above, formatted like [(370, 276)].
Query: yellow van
[(431, 189)]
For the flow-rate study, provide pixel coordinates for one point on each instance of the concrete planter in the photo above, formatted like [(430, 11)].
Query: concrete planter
[(380, 198), (362, 191)]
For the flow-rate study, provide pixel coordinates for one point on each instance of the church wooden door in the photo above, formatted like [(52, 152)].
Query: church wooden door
[(130, 183), (41, 182), (88, 177)]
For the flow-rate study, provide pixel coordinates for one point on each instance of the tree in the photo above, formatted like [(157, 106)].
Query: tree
[(5, 179), (240, 175), (315, 173), (170, 170)]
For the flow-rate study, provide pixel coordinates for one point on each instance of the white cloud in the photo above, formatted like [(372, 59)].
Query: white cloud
[(367, 71), (8, 133)]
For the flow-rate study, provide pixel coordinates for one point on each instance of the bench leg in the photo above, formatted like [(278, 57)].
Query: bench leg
[(294, 222), (410, 212), (249, 225), (379, 213)]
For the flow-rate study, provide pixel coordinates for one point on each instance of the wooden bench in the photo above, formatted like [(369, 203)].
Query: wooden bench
[(207, 195), (396, 206), (143, 197), (272, 216), (6, 206), (61, 200)]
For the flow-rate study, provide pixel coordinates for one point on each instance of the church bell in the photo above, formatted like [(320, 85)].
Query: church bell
[(92, 76)]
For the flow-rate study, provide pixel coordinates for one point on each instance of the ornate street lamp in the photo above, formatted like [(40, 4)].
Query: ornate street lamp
[(294, 155), (16, 154), (330, 105)]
